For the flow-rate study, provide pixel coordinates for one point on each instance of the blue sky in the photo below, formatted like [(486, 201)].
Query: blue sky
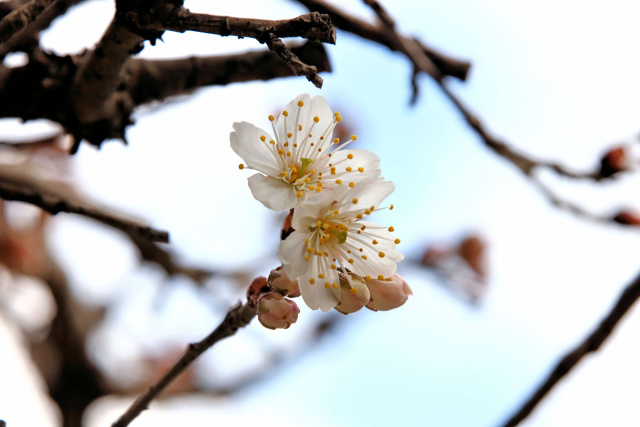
[(556, 79)]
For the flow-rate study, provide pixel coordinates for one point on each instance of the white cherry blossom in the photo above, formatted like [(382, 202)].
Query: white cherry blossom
[(330, 236), (302, 157)]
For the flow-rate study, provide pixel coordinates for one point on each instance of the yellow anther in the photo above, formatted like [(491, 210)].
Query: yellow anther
[(397, 241), (316, 119), (321, 138), (350, 260), (381, 254), (307, 180), (300, 103), (353, 137), (288, 153), (359, 232), (391, 207), (348, 169), (281, 151), (336, 114), (330, 154), (374, 241), (352, 184), (289, 135), (299, 127), (312, 187), (320, 276), (312, 281), (338, 119), (363, 227), (361, 169), (367, 277), (319, 223), (319, 150), (355, 200), (335, 286), (311, 144), (327, 285), (285, 113), (380, 277), (367, 212), (333, 170), (263, 138), (333, 266), (241, 166), (361, 250), (319, 189), (336, 140), (338, 181), (349, 156), (331, 165), (295, 145), (306, 241), (299, 193), (391, 229), (286, 144), (360, 216), (306, 257), (354, 291), (364, 257), (273, 142), (284, 173), (325, 254), (309, 249), (271, 118)]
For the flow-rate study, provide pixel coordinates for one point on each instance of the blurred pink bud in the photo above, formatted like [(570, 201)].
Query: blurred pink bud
[(256, 288), (276, 311), (280, 282), (388, 294), (353, 295)]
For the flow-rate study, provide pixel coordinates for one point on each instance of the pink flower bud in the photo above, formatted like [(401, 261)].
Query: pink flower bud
[(276, 311), (353, 295), (256, 288), (280, 282), (387, 295)]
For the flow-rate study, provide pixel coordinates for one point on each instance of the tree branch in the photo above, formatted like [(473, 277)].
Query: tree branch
[(236, 318), (21, 17), (313, 26), (379, 34), (158, 80), (591, 344), (29, 190)]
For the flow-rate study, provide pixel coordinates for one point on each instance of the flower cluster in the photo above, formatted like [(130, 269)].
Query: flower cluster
[(336, 257)]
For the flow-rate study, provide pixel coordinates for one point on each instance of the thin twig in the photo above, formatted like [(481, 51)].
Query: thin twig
[(298, 67), (592, 343), (238, 317), (31, 191)]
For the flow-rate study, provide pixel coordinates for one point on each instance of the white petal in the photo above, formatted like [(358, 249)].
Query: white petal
[(365, 159), (317, 296), (291, 252), (370, 192), (271, 192), (245, 141), (292, 109)]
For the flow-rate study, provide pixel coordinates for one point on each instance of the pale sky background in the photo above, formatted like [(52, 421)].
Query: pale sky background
[(558, 79)]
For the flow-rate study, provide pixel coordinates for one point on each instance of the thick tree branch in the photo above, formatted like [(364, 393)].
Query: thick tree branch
[(591, 344), (31, 31), (26, 189), (21, 17), (313, 26), (237, 318), (379, 34), (158, 80)]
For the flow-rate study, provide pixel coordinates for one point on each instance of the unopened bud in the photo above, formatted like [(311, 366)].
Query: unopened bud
[(276, 311), (616, 160), (256, 288), (387, 295), (353, 295), (627, 218), (280, 282)]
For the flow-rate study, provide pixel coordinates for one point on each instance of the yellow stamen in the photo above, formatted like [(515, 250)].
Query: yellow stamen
[(391, 207), (338, 181), (285, 113), (350, 260), (263, 138), (367, 277), (300, 103), (281, 151), (336, 140), (381, 254), (396, 241), (316, 119), (353, 137), (299, 127), (349, 156), (327, 285), (355, 201), (375, 242), (299, 193), (349, 169), (271, 118), (354, 291), (360, 169), (380, 277), (335, 286), (391, 229), (241, 166), (351, 184)]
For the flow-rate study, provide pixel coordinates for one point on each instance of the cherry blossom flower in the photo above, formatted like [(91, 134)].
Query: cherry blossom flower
[(330, 237), (302, 157)]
